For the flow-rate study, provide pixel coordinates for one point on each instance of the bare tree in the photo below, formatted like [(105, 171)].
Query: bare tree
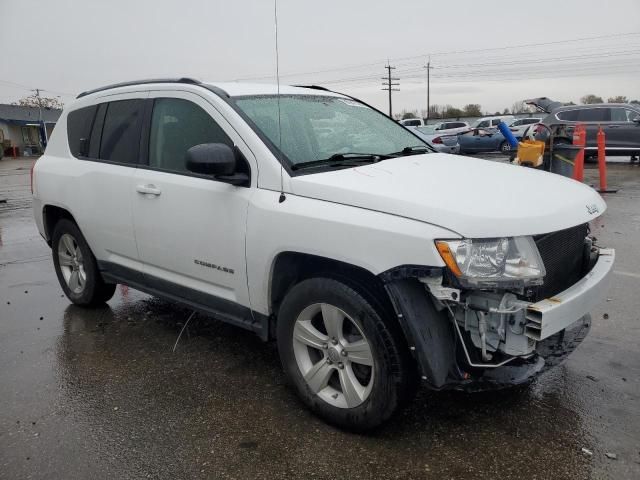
[(40, 101), (618, 99), (517, 107)]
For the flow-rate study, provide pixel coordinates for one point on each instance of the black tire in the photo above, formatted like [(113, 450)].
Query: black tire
[(394, 374), (95, 290)]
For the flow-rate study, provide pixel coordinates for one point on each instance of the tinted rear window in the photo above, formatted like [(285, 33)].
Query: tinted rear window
[(79, 124), (569, 115), (594, 115), (121, 131)]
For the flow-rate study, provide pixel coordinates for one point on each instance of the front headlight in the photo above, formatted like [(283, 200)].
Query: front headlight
[(494, 262)]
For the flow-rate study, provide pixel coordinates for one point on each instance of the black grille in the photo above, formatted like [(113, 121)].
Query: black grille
[(562, 253)]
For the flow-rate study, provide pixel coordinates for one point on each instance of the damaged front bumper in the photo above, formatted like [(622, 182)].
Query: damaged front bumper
[(553, 314), (478, 340), (549, 353)]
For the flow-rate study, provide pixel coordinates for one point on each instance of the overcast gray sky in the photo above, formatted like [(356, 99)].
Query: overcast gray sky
[(67, 46)]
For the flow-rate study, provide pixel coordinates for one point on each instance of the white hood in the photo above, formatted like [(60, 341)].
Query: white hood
[(472, 197)]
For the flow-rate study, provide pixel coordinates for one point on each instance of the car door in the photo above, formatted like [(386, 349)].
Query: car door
[(190, 228), (622, 132), (106, 138), (593, 118)]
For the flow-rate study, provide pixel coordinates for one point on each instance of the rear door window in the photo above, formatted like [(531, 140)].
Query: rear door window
[(594, 115), (96, 131), (121, 131), (79, 124), (619, 114)]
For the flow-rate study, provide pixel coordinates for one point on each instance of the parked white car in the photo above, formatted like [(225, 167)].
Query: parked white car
[(519, 126), (440, 142), (411, 122), (492, 122), (374, 263), (452, 128)]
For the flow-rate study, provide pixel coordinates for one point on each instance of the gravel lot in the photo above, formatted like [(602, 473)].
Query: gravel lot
[(100, 393)]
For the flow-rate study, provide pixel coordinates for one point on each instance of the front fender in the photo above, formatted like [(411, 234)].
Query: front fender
[(429, 333), (371, 240)]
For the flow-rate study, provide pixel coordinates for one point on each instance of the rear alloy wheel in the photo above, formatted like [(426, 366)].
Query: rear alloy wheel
[(71, 263), (76, 266), (343, 353), (505, 147)]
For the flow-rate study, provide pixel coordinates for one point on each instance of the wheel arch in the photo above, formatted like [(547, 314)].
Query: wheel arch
[(291, 267), (425, 330), (51, 215)]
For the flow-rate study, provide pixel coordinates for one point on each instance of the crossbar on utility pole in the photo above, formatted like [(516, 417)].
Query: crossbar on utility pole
[(389, 86)]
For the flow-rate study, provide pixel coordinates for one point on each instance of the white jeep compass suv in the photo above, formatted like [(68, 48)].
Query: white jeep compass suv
[(312, 219)]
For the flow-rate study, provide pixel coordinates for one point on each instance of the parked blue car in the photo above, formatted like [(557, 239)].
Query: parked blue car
[(481, 140)]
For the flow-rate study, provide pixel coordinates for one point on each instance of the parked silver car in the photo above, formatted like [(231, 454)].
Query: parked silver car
[(442, 143), (519, 126), (452, 128)]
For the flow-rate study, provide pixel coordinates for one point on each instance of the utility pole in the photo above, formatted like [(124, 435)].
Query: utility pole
[(388, 85), (428, 67), (42, 125)]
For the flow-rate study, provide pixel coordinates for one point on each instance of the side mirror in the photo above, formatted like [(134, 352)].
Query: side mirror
[(216, 159)]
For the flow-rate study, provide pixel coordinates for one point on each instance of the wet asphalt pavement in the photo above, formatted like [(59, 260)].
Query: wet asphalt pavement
[(101, 393)]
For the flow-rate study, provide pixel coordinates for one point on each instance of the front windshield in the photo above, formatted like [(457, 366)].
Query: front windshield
[(315, 128)]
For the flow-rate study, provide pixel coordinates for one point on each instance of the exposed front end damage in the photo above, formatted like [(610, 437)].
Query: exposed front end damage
[(472, 339)]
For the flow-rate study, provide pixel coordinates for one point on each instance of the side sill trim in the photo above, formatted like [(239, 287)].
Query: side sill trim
[(219, 308)]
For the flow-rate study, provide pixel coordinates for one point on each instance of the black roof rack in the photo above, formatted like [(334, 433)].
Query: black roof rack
[(190, 81)]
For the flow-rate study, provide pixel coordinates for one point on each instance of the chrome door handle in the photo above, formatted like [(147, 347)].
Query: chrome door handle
[(148, 189)]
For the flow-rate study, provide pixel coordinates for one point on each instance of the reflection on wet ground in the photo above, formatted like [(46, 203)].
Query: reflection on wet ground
[(101, 393)]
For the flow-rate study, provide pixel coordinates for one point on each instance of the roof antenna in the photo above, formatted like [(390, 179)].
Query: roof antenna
[(275, 14)]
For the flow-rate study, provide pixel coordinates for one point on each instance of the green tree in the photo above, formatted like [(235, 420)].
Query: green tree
[(409, 114), (618, 99), (453, 112), (506, 111), (473, 110), (591, 98)]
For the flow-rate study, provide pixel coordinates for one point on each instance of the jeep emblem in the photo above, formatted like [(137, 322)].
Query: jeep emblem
[(592, 209)]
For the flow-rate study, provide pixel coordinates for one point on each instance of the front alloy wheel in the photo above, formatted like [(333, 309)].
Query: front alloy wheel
[(333, 355), (344, 352)]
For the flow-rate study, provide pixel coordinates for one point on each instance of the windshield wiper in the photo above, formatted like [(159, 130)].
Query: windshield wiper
[(350, 159), (413, 150)]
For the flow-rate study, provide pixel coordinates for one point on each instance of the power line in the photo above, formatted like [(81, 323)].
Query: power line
[(441, 53)]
